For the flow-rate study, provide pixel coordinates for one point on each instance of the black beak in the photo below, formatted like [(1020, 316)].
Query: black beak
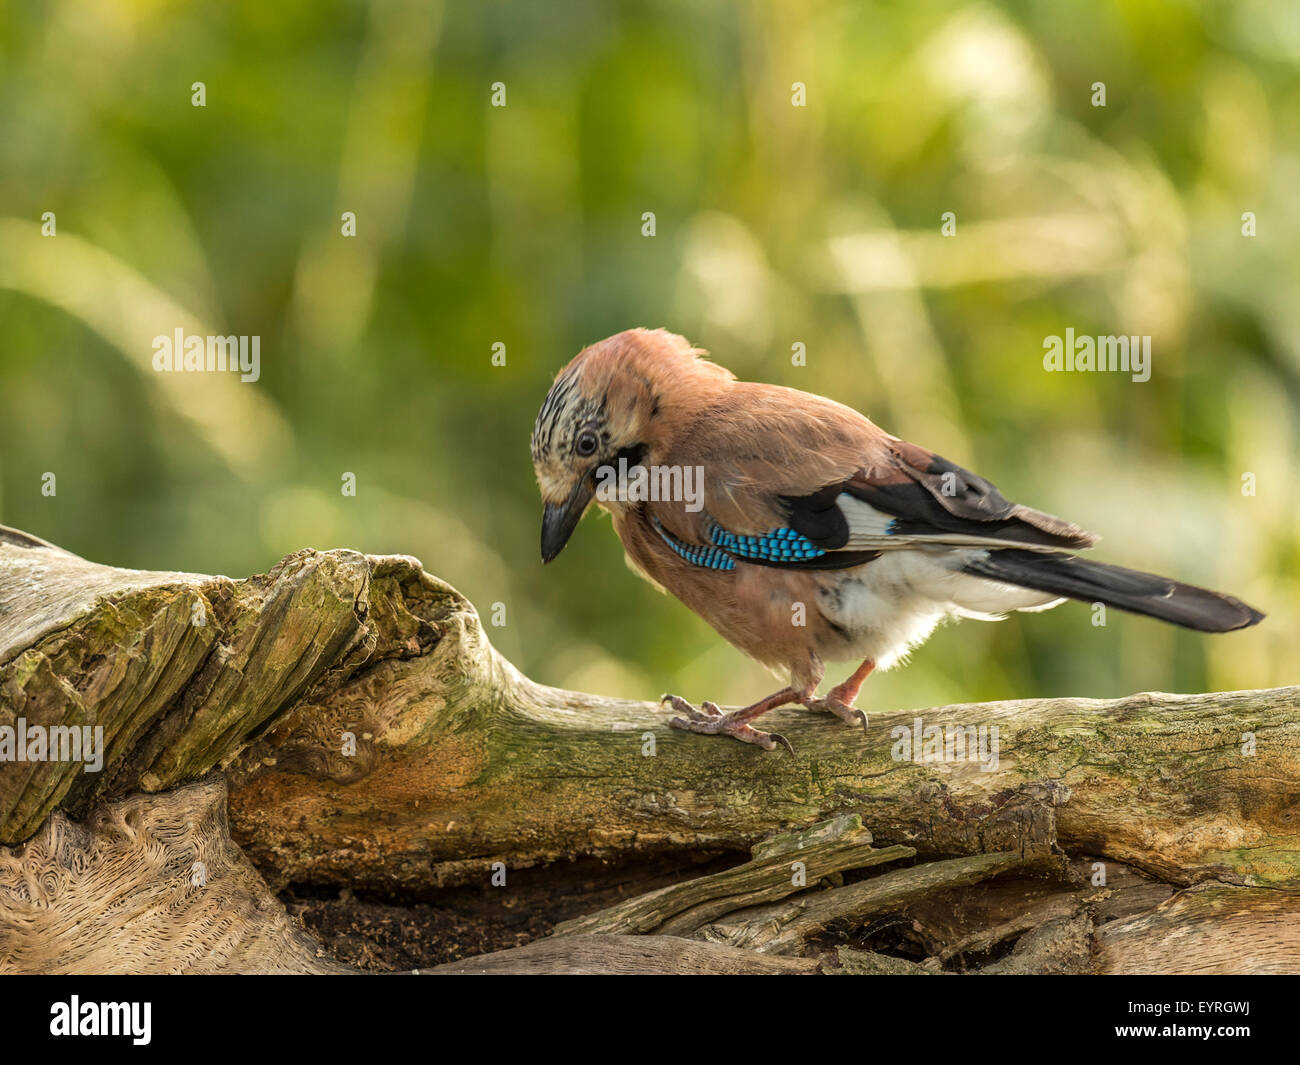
[(560, 519)]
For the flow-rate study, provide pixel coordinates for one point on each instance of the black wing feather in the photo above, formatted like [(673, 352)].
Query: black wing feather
[(926, 493)]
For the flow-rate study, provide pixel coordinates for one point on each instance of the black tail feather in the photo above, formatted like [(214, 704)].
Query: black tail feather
[(1124, 589)]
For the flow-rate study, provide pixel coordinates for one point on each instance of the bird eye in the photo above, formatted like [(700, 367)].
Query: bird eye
[(587, 441)]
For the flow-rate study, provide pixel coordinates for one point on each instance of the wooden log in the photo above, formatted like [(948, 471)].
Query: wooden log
[(1061, 946), (373, 738), (785, 927), (459, 761), (681, 908), (609, 955), (958, 926), (1210, 928), (870, 963), (1034, 916)]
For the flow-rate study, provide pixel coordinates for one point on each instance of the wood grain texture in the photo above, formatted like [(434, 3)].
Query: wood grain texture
[(679, 909), (1210, 928), (611, 955), (151, 884), (786, 927), (179, 670)]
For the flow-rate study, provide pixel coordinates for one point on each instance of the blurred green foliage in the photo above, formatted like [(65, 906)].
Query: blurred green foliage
[(775, 225)]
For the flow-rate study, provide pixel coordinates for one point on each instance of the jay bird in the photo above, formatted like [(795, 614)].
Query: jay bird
[(815, 536)]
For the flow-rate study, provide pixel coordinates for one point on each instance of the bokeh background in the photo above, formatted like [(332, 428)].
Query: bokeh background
[(776, 225)]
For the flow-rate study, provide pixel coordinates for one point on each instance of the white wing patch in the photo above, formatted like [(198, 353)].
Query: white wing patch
[(869, 529), (865, 521)]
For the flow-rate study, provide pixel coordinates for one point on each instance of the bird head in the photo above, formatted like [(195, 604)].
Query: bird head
[(618, 399)]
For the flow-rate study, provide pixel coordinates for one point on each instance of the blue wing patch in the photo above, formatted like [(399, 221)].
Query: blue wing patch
[(706, 557), (779, 545)]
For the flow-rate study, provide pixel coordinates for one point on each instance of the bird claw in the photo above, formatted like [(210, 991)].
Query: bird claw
[(706, 712), (709, 720), (782, 740), (861, 715), (849, 714)]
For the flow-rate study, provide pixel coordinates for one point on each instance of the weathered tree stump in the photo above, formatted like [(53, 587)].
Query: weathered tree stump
[(371, 737)]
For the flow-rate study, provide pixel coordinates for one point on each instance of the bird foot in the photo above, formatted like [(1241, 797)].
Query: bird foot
[(711, 721), (832, 704)]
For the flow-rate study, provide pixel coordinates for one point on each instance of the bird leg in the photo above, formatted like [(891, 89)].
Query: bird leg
[(710, 720), (839, 700)]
